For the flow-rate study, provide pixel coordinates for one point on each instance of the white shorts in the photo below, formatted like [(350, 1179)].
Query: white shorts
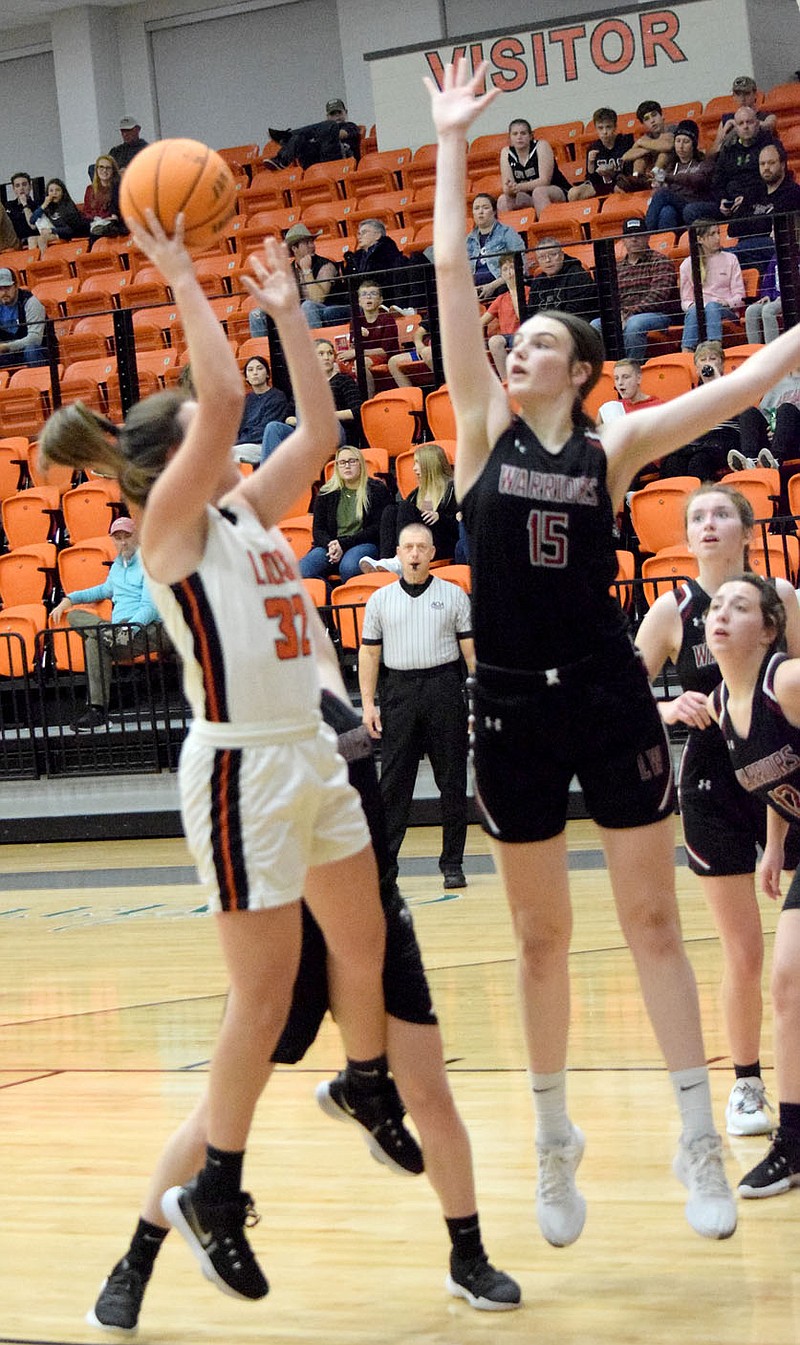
[(257, 814)]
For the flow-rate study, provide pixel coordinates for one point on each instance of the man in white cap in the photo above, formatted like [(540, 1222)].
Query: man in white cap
[(132, 609), (324, 301), (22, 319), (131, 143)]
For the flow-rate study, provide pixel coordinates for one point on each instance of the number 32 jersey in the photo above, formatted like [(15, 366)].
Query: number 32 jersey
[(240, 626), (541, 532)]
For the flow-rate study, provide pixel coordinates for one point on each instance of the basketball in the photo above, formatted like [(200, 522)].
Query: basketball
[(171, 176)]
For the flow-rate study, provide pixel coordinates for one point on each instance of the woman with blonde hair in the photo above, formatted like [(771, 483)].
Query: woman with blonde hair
[(722, 281), (432, 502), (347, 519)]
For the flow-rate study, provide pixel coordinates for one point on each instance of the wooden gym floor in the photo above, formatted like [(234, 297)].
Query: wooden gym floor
[(111, 992)]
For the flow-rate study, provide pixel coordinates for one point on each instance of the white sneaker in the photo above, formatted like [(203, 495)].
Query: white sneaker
[(767, 459), (560, 1207), (738, 462), (390, 563), (367, 565), (711, 1207), (748, 1105)]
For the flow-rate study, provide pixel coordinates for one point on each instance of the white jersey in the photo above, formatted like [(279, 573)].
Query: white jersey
[(239, 624)]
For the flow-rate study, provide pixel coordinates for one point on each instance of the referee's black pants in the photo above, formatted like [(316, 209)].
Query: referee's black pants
[(425, 712)]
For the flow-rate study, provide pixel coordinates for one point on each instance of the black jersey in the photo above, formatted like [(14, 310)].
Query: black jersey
[(541, 536), (695, 665), (767, 761), (528, 171)]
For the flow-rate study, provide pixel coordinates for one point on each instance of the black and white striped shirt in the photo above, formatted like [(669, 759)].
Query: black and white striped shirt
[(418, 629)]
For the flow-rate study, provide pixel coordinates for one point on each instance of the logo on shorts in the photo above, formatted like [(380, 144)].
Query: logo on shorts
[(651, 763), (490, 723), (704, 784)]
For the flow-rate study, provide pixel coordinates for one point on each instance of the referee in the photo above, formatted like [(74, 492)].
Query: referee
[(421, 624)]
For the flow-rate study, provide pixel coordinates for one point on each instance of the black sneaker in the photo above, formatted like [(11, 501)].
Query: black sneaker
[(94, 718), (481, 1285), (453, 876), (776, 1173), (119, 1301), (215, 1235), (381, 1117)]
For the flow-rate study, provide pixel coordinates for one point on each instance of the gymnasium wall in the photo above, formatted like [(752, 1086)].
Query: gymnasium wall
[(226, 71)]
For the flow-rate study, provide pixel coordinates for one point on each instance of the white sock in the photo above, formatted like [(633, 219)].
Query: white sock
[(693, 1095), (550, 1102)]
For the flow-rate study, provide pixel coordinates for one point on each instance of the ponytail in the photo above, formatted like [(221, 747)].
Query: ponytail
[(135, 454)]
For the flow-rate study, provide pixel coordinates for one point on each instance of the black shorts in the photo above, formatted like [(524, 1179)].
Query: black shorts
[(792, 902), (723, 825), (596, 719), (405, 985)]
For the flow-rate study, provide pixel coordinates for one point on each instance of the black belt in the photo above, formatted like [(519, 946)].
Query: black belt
[(412, 674)]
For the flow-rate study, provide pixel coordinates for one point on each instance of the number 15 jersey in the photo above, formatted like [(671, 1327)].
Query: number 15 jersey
[(541, 532)]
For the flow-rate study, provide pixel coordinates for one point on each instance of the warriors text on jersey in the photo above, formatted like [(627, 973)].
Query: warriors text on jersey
[(541, 531)]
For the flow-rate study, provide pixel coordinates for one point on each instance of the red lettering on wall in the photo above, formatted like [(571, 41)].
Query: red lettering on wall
[(659, 28), (612, 65), (539, 59), (435, 63), (512, 72), (476, 56), (566, 38)]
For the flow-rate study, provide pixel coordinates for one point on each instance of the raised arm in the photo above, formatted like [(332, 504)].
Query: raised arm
[(633, 441), (478, 399), (298, 461), (173, 525)]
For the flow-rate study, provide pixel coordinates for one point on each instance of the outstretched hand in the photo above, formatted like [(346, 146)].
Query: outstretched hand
[(273, 284), (169, 254), (461, 99)]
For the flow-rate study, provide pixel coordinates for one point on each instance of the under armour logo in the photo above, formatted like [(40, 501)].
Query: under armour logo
[(698, 621), (704, 784), (520, 447), (490, 723), (553, 679)]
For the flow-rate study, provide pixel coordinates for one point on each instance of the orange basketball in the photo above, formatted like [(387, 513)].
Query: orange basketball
[(171, 176)]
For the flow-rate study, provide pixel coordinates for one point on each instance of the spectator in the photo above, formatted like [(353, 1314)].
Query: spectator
[(689, 179), (131, 607), (58, 213), (421, 353), (421, 625), (745, 92), (101, 200), (528, 171), (776, 193), (736, 176), (8, 236), (723, 286), (654, 148), (347, 519), (770, 432), (21, 207), (604, 157), (324, 301), (488, 242), (378, 256), (563, 283), (432, 503), (22, 319), (761, 317), (346, 397), (377, 332), (706, 457), (262, 404), (132, 143), (628, 383), (320, 141), (648, 291), (504, 313)]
